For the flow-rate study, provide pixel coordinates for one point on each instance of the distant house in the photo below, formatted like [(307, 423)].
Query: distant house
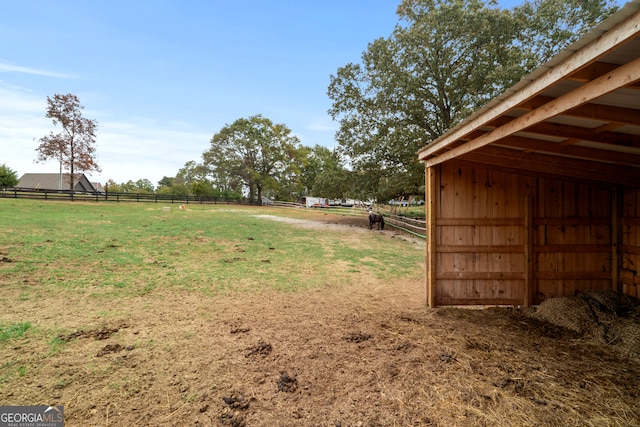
[(99, 188), (52, 181)]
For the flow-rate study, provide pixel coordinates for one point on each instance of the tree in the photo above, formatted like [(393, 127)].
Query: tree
[(190, 173), (172, 186), (444, 60), (202, 189), (73, 147), (254, 152), (325, 175), (448, 58), (143, 186), (139, 186), (8, 177), (112, 186), (166, 181), (548, 26)]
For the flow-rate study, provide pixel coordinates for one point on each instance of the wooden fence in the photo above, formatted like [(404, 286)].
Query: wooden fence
[(414, 226), (66, 195)]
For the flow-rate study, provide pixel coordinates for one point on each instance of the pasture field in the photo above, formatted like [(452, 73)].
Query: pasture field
[(131, 315)]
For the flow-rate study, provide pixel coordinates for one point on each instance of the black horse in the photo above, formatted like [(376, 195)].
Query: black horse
[(373, 218)]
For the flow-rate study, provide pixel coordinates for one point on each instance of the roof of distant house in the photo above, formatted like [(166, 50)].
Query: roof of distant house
[(52, 181)]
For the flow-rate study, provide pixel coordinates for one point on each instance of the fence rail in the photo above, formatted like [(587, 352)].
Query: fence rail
[(66, 195), (414, 226)]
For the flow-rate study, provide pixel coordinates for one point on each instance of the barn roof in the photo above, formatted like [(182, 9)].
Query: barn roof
[(51, 181), (577, 116)]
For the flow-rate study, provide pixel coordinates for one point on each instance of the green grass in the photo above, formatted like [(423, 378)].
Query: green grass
[(16, 330), (113, 250)]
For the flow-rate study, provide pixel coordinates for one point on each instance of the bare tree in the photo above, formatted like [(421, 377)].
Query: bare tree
[(74, 146)]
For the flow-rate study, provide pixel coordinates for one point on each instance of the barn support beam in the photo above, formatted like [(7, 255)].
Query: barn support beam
[(615, 233), (431, 205), (528, 251)]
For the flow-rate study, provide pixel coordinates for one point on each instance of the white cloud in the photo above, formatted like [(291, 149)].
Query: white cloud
[(14, 101), (7, 68), (127, 151)]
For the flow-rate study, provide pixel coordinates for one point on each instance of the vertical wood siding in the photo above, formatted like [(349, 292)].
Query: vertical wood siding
[(572, 238), (511, 239), (480, 236)]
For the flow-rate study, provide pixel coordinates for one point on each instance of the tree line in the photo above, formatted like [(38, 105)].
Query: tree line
[(443, 60)]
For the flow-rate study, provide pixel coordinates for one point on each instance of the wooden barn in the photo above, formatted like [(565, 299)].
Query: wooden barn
[(537, 194)]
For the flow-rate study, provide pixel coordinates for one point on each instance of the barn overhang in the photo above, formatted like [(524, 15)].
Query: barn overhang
[(577, 116)]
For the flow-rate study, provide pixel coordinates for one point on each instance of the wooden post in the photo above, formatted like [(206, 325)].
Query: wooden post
[(431, 205), (615, 267), (528, 251)]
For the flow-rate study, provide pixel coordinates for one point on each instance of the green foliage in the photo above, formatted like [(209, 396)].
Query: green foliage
[(175, 190), (444, 60), (324, 174), (201, 189), (256, 153), (113, 187), (140, 186), (166, 182), (548, 26), (8, 177)]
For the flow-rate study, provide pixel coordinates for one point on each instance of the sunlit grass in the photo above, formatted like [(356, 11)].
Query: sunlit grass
[(110, 250)]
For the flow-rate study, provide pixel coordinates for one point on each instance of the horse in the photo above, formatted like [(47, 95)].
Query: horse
[(373, 218)]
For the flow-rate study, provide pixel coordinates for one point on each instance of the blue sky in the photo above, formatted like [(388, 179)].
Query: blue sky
[(163, 76)]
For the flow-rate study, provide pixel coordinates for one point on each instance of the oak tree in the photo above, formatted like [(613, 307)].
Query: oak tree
[(256, 152), (74, 145), (325, 175)]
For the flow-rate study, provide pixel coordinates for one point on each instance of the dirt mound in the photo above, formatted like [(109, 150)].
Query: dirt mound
[(605, 316)]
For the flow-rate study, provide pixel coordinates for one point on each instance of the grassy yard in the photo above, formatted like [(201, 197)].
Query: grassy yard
[(114, 250), (129, 314)]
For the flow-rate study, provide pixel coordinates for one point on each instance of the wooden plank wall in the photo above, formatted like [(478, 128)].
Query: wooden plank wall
[(480, 236), (507, 239), (572, 238), (630, 243)]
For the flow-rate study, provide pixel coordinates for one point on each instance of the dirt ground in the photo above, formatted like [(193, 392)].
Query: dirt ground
[(365, 354)]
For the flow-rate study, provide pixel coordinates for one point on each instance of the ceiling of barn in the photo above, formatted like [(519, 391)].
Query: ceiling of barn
[(578, 116)]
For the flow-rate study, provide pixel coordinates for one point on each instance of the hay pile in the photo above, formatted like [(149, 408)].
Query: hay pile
[(607, 317)]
